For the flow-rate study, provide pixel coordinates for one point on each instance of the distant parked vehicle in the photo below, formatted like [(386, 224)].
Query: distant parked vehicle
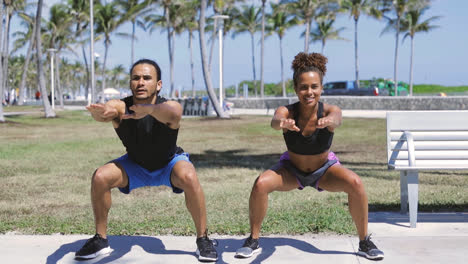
[(348, 88), (387, 88)]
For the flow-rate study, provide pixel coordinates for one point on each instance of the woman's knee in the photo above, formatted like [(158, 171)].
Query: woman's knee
[(355, 186), (263, 184)]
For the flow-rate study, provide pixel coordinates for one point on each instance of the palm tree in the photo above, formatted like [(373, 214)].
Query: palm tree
[(189, 22), (248, 21), (79, 9), (411, 24), (355, 7), (325, 31), (308, 10), (278, 22), (400, 7), (2, 117), (49, 112), (130, 10), (59, 31), (26, 37), (206, 71), (107, 21), (262, 51)]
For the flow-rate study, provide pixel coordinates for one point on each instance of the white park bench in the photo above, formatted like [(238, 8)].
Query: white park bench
[(424, 140)]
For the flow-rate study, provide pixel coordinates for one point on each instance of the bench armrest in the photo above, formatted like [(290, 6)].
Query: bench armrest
[(409, 138)]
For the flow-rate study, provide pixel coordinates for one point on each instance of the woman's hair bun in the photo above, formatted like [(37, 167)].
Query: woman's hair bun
[(303, 61)]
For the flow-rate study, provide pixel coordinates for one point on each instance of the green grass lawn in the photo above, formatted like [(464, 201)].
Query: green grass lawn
[(46, 167)]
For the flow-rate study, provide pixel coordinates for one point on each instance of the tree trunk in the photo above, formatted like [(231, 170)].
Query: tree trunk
[(356, 64), (411, 66), (87, 91), (172, 62), (5, 50), (169, 46), (57, 78), (2, 117), (133, 43), (213, 38), (282, 67), (25, 67), (49, 112), (106, 48), (395, 67), (253, 63), (192, 68), (206, 71), (307, 32), (262, 84)]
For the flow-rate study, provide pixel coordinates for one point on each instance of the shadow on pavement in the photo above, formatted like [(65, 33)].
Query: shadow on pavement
[(269, 246), (395, 218), (121, 245)]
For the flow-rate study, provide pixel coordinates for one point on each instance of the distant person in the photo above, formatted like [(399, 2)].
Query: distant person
[(38, 95), (147, 125), (308, 127)]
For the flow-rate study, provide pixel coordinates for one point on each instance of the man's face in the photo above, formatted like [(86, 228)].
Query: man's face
[(143, 82)]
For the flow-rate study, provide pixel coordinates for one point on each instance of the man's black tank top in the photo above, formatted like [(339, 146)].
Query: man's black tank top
[(319, 142), (149, 143)]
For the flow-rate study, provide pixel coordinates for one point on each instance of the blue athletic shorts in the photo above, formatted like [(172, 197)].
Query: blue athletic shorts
[(139, 176)]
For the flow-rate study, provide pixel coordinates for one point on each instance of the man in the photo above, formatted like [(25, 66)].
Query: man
[(147, 125)]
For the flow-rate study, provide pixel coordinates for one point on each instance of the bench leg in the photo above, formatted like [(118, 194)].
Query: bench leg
[(409, 195), (413, 197), (403, 192)]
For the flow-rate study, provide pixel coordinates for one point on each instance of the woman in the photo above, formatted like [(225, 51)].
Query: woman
[(308, 128)]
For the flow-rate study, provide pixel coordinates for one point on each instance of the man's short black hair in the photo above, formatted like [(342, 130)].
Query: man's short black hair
[(150, 62)]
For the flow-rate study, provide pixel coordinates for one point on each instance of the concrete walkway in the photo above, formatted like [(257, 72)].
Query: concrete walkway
[(438, 238)]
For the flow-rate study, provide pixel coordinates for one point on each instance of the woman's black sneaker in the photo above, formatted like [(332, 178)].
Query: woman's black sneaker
[(369, 250), (94, 247), (249, 248), (205, 249)]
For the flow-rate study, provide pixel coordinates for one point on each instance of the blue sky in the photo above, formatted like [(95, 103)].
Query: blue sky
[(441, 56)]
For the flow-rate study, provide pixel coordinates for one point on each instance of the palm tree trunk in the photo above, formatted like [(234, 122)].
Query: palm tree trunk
[(49, 112), (213, 37), (411, 66), (169, 46), (282, 67), (172, 50), (206, 70), (356, 51), (133, 42), (307, 32), (57, 78), (253, 63), (2, 117), (87, 91), (395, 66), (25, 67), (323, 46), (6, 48), (262, 85), (106, 48), (192, 68)]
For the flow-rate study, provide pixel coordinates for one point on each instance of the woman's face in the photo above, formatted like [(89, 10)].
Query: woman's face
[(308, 88)]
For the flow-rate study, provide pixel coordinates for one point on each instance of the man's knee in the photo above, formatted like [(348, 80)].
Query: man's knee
[(186, 178), (103, 177)]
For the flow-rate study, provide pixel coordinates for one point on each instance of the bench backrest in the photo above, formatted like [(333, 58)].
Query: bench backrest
[(427, 140)]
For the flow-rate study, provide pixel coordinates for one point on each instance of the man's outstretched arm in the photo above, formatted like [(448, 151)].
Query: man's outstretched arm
[(169, 113), (106, 112)]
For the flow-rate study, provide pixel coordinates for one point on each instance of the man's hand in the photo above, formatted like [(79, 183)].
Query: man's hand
[(289, 124), (102, 112), (139, 111)]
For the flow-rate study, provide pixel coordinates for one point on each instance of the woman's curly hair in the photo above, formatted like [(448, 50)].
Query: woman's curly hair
[(304, 62)]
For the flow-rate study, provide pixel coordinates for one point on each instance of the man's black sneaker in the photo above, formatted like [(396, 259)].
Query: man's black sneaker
[(205, 249), (94, 247), (369, 250), (249, 248)]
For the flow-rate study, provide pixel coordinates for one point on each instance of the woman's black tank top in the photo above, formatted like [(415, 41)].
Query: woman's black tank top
[(319, 142), (149, 143)]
